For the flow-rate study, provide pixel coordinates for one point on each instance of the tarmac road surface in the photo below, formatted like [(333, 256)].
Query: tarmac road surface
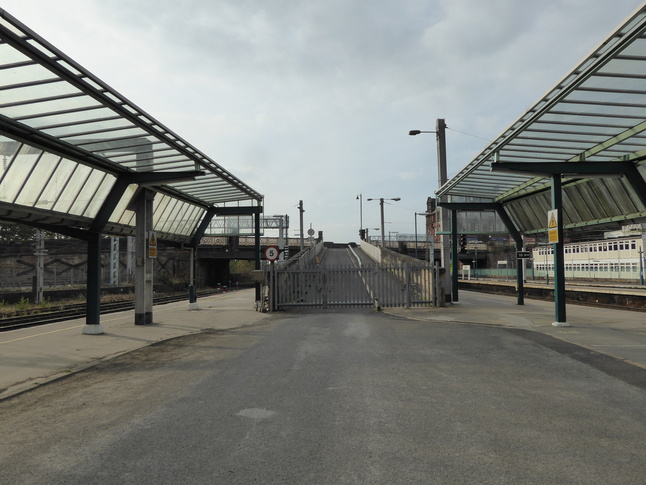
[(331, 398)]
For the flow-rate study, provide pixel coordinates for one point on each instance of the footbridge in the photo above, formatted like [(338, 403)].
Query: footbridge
[(332, 276)]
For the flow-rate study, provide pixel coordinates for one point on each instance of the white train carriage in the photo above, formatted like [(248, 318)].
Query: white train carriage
[(609, 259)]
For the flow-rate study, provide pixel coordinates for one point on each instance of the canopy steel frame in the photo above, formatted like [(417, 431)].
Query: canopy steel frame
[(128, 145), (593, 113), (509, 224)]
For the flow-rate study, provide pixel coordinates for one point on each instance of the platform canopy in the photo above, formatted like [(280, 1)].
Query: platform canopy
[(74, 152), (596, 114)]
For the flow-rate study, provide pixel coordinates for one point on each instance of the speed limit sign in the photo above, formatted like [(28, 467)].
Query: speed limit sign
[(271, 253)]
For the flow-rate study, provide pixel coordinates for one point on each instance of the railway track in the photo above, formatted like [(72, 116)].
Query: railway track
[(72, 311), (620, 297)]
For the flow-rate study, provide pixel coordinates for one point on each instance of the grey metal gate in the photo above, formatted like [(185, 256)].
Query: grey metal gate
[(393, 285)]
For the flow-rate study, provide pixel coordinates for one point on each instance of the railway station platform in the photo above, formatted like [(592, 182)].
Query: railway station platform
[(34, 356), (615, 295)]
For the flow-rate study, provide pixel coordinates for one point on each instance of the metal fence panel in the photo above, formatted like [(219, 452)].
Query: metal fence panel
[(393, 285)]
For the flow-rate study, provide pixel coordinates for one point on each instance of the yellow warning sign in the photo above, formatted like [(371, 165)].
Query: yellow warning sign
[(552, 226), (553, 236), (152, 246), (552, 217)]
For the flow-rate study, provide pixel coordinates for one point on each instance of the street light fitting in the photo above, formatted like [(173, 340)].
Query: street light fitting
[(381, 204), (417, 132)]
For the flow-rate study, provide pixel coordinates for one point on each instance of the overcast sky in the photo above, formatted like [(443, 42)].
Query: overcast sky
[(313, 100)]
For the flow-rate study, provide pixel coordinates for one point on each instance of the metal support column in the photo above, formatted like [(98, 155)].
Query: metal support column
[(192, 292), (383, 229), (559, 259), (520, 281), (442, 215), (114, 261), (300, 210), (93, 312), (40, 266), (257, 252), (518, 242), (454, 256), (143, 263)]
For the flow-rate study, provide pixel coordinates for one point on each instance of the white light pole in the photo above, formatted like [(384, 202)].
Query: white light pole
[(419, 214), (381, 203), (360, 199)]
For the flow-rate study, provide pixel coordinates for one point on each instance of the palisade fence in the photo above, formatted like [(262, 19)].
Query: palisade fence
[(303, 283)]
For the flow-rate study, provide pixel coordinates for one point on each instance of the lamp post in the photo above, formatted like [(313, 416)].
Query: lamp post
[(419, 214), (360, 199), (381, 203), (450, 282)]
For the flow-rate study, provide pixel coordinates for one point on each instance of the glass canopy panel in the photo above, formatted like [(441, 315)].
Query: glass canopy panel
[(163, 219), (56, 183), (58, 97), (10, 56), (70, 129), (187, 219), (193, 222), (102, 192), (625, 196), (145, 159), (21, 112), (12, 76), (37, 181), (572, 196), (71, 190), (602, 111), (100, 136), (16, 173), (176, 218), (632, 100), (162, 207), (603, 198), (166, 217), (551, 152), (613, 84), (587, 129), (121, 215), (89, 192), (124, 144), (624, 68), (71, 115), (588, 197), (40, 91)]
